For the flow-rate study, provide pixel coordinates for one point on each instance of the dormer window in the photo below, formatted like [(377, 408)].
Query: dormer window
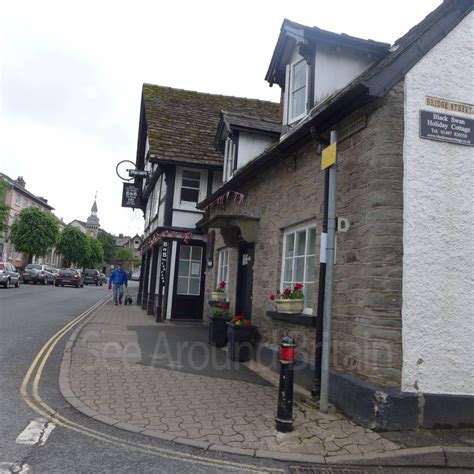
[(297, 90), (230, 158)]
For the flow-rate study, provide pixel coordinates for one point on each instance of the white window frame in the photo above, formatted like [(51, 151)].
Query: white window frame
[(189, 277), (290, 91), (178, 204), (230, 151), (223, 267), (295, 230)]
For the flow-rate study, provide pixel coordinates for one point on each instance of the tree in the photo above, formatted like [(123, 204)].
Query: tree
[(94, 254), (73, 245), (35, 232), (123, 254), (108, 245)]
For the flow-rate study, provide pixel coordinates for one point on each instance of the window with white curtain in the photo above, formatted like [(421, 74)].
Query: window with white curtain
[(299, 262)]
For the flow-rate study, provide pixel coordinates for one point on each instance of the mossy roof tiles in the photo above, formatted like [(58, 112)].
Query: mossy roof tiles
[(182, 124)]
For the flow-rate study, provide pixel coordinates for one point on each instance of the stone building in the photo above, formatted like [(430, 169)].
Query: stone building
[(92, 225), (402, 325)]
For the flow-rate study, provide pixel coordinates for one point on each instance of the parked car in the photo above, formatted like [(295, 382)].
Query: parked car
[(92, 276), (9, 275), (70, 276), (135, 276), (37, 273)]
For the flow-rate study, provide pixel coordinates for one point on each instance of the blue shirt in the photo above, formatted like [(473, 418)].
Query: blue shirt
[(118, 277)]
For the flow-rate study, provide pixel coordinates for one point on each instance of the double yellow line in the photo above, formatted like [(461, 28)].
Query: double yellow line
[(35, 402)]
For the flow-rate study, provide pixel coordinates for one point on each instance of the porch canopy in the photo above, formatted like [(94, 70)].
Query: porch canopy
[(233, 227)]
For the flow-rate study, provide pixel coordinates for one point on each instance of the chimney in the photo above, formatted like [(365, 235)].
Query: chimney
[(41, 198), (20, 181), (120, 236)]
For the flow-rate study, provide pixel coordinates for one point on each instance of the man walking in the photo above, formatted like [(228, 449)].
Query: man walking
[(117, 279)]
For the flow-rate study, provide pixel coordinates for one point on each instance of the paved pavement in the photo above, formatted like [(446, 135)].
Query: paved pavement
[(165, 381)]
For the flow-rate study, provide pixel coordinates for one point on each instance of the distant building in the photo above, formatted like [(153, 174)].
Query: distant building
[(92, 225), (18, 198)]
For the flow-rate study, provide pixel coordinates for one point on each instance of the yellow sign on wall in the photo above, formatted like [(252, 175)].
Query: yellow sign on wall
[(328, 156)]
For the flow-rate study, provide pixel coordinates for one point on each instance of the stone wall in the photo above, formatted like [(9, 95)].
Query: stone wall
[(367, 292)]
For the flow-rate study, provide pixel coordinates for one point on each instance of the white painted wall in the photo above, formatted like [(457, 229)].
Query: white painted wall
[(438, 289), (250, 146), (186, 219), (335, 68)]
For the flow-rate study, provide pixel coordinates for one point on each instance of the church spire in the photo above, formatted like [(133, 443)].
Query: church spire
[(93, 220)]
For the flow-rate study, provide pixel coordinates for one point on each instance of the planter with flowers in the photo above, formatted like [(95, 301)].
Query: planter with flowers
[(290, 301), (219, 293), (218, 319), (241, 337)]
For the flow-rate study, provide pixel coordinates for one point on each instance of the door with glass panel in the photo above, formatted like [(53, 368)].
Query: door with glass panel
[(188, 293)]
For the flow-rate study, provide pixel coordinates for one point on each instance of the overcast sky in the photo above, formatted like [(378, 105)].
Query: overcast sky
[(71, 77)]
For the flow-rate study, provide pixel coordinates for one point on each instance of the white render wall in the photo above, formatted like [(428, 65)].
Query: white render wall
[(438, 290), (250, 146), (335, 68)]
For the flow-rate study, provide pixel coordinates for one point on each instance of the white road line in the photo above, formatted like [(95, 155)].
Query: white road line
[(36, 432), (9, 467)]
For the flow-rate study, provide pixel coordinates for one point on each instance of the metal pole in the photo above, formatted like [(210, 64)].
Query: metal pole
[(331, 241), (318, 346)]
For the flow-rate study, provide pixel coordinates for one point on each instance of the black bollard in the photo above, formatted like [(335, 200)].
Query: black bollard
[(284, 418)]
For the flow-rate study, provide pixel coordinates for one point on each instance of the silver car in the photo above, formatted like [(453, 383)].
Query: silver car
[(9, 275)]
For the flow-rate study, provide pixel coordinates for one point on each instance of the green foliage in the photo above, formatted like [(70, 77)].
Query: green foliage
[(73, 245), (94, 253), (136, 262), (108, 246), (123, 254), (35, 232)]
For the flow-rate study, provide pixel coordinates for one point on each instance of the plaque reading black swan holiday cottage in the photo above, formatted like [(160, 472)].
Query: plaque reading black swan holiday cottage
[(446, 128)]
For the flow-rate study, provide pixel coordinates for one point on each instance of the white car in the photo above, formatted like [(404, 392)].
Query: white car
[(135, 276), (9, 275)]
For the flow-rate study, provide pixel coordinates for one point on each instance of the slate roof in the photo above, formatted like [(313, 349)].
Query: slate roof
[(38, 199), (182, 124)]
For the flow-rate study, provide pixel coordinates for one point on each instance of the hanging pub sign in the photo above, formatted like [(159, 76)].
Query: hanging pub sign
[(131, 195), (446, 128), (164, 262)]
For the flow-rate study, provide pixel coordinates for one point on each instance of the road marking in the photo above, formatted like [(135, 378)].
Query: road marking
[(38, 405), (9, 467), (37, 432)]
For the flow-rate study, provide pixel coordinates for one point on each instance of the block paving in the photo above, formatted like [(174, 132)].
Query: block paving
[(102, 376)]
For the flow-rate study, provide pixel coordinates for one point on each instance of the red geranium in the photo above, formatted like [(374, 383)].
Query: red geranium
[(222, 284), (287, 292), (247, 324), (298, 286), (272, 296), (225, 306)]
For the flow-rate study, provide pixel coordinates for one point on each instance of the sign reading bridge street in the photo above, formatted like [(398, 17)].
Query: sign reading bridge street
[(130, 195), (446, 128)]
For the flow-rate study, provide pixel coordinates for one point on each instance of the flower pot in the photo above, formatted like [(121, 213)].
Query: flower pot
[(240, 342), (218, 331), (289, 306), (218, 296)]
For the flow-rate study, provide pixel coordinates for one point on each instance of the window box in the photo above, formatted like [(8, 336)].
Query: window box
[(289, 306), (218, 296)]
